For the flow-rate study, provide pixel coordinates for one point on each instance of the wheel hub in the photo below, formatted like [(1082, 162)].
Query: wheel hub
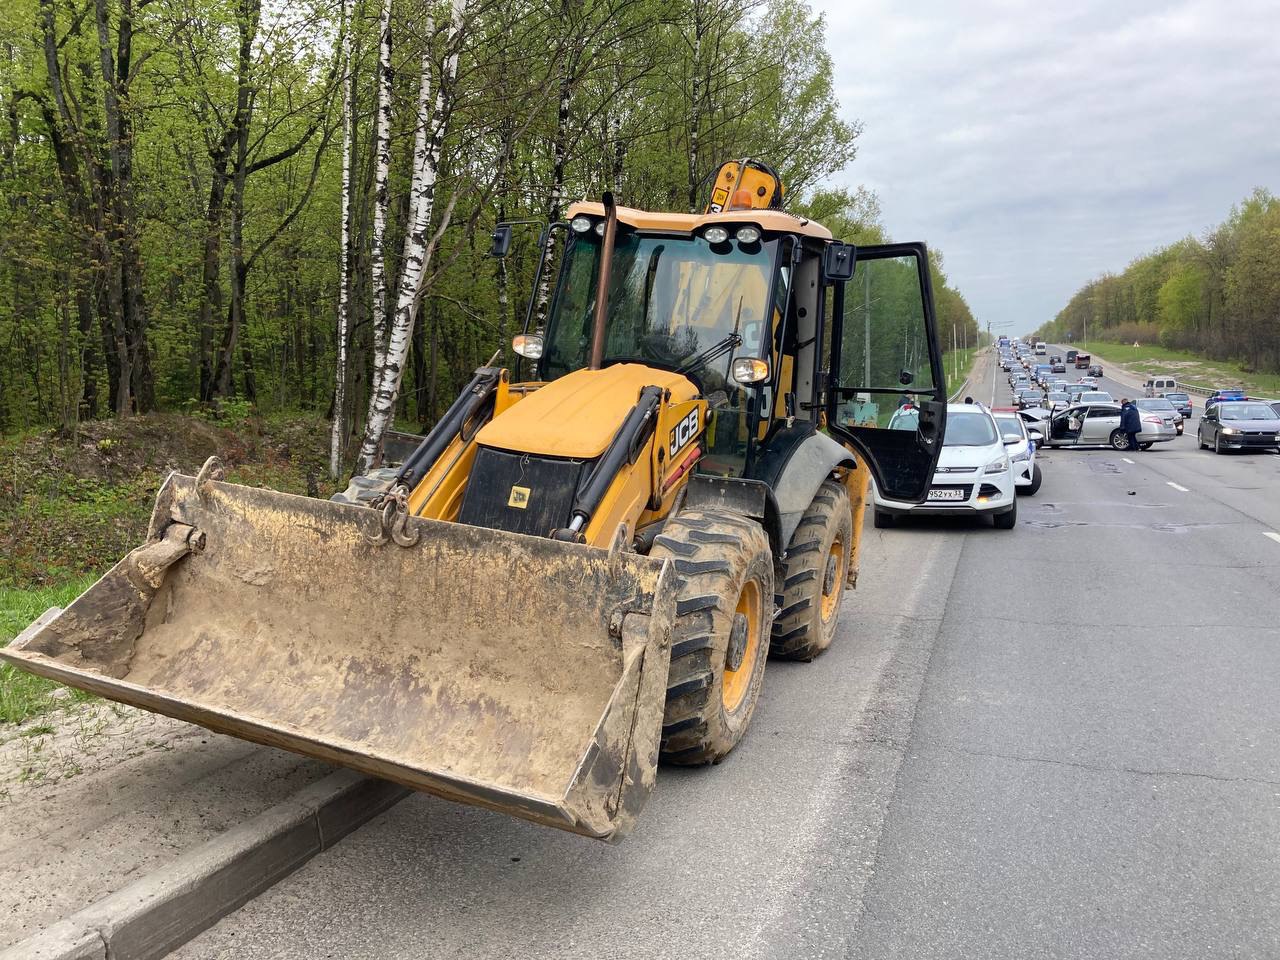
[(737, 642), (829, 580)]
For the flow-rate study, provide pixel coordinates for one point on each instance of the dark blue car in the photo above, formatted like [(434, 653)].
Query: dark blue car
[(1219, 395)]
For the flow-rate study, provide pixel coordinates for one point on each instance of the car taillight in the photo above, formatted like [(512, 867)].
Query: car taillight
[(1156, 420)]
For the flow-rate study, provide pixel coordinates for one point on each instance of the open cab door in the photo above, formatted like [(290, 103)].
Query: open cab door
[(886, 393)]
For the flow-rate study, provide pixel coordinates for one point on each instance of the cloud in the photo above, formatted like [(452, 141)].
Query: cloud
[(1039, 145)]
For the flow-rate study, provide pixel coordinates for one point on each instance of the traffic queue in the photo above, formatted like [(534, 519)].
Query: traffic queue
[(989, 454)]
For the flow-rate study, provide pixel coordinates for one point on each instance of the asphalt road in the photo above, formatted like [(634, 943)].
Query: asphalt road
[(1057, 741)]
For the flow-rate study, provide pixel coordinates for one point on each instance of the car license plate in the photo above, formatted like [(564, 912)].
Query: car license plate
[(945, 493)]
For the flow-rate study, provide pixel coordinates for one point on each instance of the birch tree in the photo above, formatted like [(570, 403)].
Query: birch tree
[(381, 188), (428, 140), (338, 432)]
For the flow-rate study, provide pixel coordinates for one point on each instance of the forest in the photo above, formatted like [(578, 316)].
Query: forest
[(1217, 295), (212, 205)]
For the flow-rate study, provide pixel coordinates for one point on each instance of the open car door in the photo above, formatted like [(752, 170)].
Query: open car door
[(886, 391)]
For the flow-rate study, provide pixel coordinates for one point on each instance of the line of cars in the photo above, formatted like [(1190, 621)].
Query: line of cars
[(1232, 420)]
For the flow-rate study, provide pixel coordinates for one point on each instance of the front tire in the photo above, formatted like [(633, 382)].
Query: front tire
[(1119, 440), (882, 520), (724, 615), (813, 576), (1007, 520), (1217, 444), (1036, 478)]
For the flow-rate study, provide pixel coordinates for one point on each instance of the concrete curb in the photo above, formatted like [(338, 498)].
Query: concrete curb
[(159, 912)]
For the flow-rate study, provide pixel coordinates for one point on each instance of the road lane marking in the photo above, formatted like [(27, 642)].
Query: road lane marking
[(1126, 460), (1177, 486), (1273, 536)]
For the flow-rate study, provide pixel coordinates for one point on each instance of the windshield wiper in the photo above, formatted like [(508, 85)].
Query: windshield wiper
[(711, 353), (720, 348)]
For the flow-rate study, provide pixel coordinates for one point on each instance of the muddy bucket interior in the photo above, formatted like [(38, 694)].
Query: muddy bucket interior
[(502, 670)]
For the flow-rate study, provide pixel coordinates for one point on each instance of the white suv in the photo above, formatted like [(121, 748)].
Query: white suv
[(974, 472)]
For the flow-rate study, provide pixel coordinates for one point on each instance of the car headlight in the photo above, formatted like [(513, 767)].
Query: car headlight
[(1021, 457), (997, 466), (1230, 431)]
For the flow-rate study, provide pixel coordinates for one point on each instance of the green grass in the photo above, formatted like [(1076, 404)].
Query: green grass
[(1190, 368), (23, 695), (963, 359)]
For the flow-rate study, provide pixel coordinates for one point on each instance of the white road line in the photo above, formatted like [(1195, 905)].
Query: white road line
[(1177, 486), (1273, 536), (1126, 460)]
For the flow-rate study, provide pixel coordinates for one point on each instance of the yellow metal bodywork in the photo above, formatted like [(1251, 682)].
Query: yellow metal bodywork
[(576, 415)]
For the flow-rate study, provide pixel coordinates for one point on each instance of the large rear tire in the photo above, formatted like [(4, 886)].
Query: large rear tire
[(813, 576), (724, 613)]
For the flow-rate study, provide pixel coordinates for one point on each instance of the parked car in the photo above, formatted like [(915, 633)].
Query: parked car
[(1096, 396), (1181, 402), (1239, 425), (1095, 369), (1098, 424), (1059, 367), (1022, 453), (1218, 396), (1159, 386), (1162, 408), (974, 473), (1071, 355)]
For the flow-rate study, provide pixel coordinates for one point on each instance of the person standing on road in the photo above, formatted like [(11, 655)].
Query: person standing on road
[(1130, 422)]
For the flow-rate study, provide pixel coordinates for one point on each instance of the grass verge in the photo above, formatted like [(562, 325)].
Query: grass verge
[(958, 365), (1190, 368), (23, 695)]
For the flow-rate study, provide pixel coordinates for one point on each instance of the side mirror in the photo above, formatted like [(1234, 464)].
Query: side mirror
[(1011, 438), (1035, 435), (837, 262), (500, 244)]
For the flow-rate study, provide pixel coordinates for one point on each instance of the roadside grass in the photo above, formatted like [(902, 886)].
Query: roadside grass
[(23, 695), (961, 360), (71, 506), (1190, 368)]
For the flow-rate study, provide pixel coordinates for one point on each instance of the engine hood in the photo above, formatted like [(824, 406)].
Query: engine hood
[(577, 415)]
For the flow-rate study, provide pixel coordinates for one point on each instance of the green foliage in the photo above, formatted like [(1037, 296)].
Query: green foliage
[(1218, 295), (645, 80)]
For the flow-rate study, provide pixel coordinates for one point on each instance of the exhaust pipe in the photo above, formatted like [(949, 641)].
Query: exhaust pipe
[(602, 283)]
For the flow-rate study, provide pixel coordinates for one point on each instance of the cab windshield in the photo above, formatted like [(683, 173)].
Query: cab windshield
[(671, 300)]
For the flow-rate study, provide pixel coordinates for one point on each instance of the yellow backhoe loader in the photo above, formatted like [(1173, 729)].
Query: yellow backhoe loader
[(579, 570)]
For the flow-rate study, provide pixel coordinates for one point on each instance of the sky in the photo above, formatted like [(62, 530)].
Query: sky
[(1039, 143)]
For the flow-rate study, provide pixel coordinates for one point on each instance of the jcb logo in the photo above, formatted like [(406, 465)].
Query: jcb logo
[(684, 431), (519, 498)]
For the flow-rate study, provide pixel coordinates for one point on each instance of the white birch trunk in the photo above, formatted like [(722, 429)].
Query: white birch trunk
[(560, 148), (695, 109), (338, 434), (381, 190), (428, 139)]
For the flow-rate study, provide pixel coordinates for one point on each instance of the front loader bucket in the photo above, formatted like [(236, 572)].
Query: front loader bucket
[(507, 671)]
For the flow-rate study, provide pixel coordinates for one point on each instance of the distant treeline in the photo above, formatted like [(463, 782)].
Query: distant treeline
[(1218, 294)]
